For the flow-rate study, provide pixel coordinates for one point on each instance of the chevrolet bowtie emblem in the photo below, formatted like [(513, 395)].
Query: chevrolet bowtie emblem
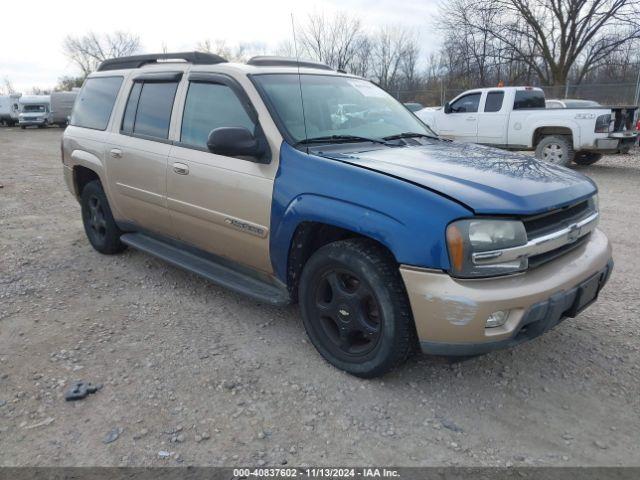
[(574, 232)]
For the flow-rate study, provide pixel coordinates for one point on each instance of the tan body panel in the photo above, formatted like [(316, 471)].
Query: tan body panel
[(223, 204), (210, 205), (138, 181), (448, 310)]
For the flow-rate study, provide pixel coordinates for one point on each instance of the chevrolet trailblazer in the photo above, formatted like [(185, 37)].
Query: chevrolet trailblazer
[(290, 182)]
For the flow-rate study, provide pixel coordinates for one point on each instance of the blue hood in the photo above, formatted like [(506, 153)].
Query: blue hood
[(487, 180)]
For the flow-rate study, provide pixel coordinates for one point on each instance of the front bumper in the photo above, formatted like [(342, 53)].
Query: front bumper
[(30, 122), (450, 314)]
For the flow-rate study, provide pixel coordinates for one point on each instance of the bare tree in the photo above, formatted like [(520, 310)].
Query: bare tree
[(68, 82), (39, 91), (89, 50), (389, 55), (333, 40), (553, 38), (390, 48), (361, 64), (236, 53), (7, 86)]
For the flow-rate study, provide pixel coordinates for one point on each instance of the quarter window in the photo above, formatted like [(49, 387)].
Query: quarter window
[(148, 110), (528, 99), (467, 104), (209, 106), (93, 107), (493, 103)]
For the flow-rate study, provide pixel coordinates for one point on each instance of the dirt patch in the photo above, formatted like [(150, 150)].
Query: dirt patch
[(194, 374)]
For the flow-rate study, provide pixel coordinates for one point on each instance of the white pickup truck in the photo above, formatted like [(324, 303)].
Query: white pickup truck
[(515, 118)]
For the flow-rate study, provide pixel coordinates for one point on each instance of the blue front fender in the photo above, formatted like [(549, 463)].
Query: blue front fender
[(409, 220)]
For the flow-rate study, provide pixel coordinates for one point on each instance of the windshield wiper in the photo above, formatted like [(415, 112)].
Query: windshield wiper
[(340, 139), (408, 135)]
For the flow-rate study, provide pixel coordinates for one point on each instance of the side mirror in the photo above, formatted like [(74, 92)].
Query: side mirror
[(234, 142), (447, 108)]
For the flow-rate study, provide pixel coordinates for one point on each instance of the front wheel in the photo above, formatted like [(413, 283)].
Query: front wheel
[(555, 149), (99, 225), (355, 308), (587, 158)]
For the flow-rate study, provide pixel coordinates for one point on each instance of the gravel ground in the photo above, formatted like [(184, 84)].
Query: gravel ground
[(194, 374)]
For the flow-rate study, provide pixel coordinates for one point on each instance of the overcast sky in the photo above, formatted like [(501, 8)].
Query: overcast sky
[(31, 50)]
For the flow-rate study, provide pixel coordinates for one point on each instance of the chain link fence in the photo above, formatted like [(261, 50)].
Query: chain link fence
[(603, 93)]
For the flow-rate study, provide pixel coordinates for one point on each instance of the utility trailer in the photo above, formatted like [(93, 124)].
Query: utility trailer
[(61, 106), (9, 108)]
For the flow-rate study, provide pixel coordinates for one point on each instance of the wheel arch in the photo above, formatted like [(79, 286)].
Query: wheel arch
[(308, 238), (541, 131), (86, 166), (82, 176)]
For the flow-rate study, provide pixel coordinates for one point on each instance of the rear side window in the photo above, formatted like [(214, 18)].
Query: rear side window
[(529, 99), (210, 106), (493, 103), (148, 110), (93, 107)]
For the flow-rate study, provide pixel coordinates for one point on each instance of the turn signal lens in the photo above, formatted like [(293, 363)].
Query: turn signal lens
[(456, 247)]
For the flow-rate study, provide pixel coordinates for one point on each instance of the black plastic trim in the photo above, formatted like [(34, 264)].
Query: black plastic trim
[(159, 77), (148, 137), (137, 61), (275, 61), (219, 271)]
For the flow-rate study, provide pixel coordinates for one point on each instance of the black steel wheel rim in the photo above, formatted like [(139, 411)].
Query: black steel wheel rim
[(96, 219), (347, 312)]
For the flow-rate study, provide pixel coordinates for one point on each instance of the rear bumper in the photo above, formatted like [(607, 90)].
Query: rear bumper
[(450, 314), (615, 141)]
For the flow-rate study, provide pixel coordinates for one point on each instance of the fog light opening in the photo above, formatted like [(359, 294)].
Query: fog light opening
[(497, 319)]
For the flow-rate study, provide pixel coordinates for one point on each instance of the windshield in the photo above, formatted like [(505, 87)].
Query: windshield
[(336, 106), (33, 108)]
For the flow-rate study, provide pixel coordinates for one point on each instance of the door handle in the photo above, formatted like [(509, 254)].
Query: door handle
[(470, 119), (116, 153), (181, 169)]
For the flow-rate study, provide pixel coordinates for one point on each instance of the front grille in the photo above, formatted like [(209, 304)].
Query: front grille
[(546, 223), (549, 222), (546, 257)]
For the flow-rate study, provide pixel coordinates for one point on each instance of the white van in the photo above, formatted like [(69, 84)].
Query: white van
[(35, 110)]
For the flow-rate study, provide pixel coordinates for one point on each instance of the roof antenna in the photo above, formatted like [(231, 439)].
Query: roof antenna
[(295, 46)]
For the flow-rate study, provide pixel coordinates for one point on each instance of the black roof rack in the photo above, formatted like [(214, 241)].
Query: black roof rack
[(271, 61), (137, 61)]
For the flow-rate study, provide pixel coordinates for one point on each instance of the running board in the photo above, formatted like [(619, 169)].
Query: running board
[(215, 271)]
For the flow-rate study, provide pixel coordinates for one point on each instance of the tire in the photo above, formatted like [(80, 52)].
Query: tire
[(99, 225), (23, 127), (355, 308), (555, 149), (587, 158), (625, 149)]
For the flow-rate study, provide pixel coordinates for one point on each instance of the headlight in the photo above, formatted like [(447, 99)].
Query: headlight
[(474, 236)]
